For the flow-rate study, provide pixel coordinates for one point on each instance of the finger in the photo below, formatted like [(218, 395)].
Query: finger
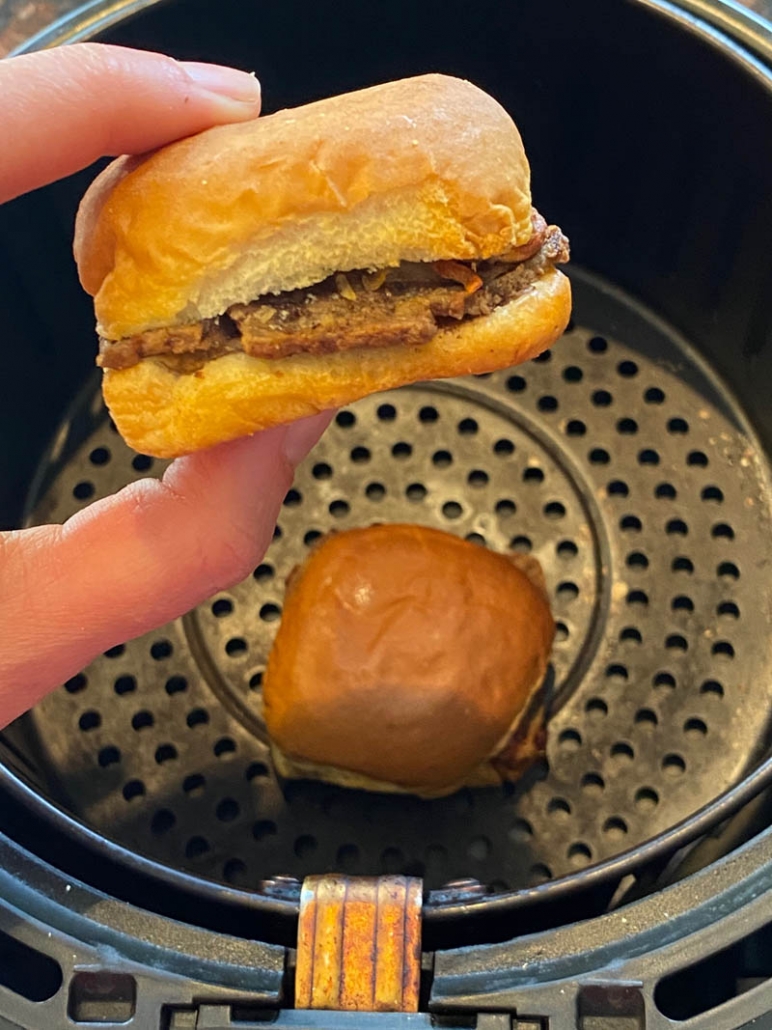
[(130, 563), (66, 107)]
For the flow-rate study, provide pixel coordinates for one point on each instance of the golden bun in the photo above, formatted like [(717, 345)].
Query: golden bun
[(421, 169), (164, 414), (409, 660)]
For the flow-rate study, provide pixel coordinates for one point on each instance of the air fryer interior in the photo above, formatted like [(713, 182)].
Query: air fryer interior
[(632, 461)]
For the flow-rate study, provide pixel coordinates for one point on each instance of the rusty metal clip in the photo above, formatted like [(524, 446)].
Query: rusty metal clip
[(359, 944)]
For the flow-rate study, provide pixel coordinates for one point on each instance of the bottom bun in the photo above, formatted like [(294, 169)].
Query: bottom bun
[(165, 414)]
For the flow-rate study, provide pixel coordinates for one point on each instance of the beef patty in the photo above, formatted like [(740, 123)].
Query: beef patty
[(408, 304)]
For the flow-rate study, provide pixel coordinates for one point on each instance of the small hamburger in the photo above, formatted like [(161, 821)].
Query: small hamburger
[(409, 661), (258, 273)]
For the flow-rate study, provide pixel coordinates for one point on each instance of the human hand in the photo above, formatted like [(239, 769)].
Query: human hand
[(133, 561)]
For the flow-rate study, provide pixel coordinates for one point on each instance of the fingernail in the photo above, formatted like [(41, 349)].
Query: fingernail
[(302, 436), (225, 82)]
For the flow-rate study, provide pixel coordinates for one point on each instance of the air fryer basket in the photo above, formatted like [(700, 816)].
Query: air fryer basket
[(632, 460)]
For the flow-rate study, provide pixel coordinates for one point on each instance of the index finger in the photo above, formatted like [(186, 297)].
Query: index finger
[(64, 108)]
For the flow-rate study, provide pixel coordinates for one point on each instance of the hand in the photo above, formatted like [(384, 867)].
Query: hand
[(131, 562)]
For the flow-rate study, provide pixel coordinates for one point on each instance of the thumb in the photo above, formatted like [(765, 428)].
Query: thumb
[(133, 561)]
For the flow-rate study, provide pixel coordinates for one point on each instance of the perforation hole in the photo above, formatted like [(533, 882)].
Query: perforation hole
[(570, 740), (442, 459), (345, 419), (673, 766), (125, 685), (562, 633), (194, 785), (567, 549), (468, 427), (597, 345), (256, 771), (615, 828), (386, 412), (478, 478), (627, 426), (293, 498), (554, 510), (547, 403), (428, 414), (631, 635), (224, 747), (263, 573), (573, 374), (648, 456), (675, 642), (311, 536), (712, 688), (339, 509), (305, 846), (682, 603), (161, 649), (142, 463), (90, 720), (677, 426), (227, 810), (601, 398), (559, 808), (521, 544), (637, 560), (505, 507), (84, 490), (599, 456), (727, 570), (677, 527), (695, 729), (533, 474), (234, 871), (133, 789), (415, 492), (664, 679), (575, 427), (622, 752), (646, 719), (401, 450), (165, 753), (142, 720), (321, 470), (516, 384), (593, 784), (723, 649), (697, 458), (476, 538), (646, 799), (728, 609), (270, 613), (108, 756), (638, 598), (118, 651), (375, 491), (99, 456), (579, 855), (722, 531), (176, 685), (197, 717), (682, 564), (665, 492), (452, 510), (163, 820), (618, 488), (654, 395), (76, 684), (221, 607), (503, 447), (712, 494), (567, 591), (630, 524), (617, 672), (236, 647), (521, 831), (627, 369), (596, 708), (539, 873), (196, 847)]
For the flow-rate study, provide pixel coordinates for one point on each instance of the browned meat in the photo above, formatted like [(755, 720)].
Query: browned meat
[(403, 305)]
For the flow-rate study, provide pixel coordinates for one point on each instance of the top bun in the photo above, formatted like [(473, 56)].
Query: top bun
[(416, 170), (406, 660)]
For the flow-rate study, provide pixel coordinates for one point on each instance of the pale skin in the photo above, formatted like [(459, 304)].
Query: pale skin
[(130, 562)]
